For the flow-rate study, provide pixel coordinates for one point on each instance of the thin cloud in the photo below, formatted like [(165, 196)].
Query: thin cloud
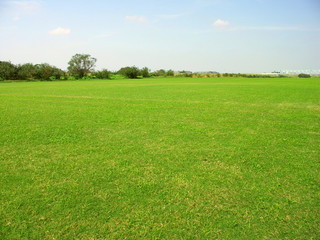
[(230, 28), (25, 5), (139, 19), (60, 31), (226, 26), (19, 8), (270, 28), (171, 16), (101, 36), (221, 23)]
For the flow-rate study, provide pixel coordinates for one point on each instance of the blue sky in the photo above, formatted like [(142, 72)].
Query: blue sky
[(195, 35)]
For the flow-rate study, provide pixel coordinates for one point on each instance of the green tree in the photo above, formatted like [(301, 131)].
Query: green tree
[(170, 73), (81, 65), (45, 71), (129, 72), (160, 72), (145, 72), (26, 71), (8, 71)]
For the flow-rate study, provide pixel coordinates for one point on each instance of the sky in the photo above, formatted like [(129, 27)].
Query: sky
[(245, 36)]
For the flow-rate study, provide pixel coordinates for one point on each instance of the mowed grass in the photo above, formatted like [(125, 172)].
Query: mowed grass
[(160, 159)]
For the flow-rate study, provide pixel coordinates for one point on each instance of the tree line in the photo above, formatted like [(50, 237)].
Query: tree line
[(82, 66)]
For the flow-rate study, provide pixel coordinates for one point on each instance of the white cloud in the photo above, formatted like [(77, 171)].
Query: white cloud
[(221, 23), (60, 31), (140, 19)]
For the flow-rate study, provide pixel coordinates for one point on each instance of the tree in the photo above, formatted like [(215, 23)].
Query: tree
[(160, 72), (8, 71), (81, 65), (45, 71), (145, 72), (129, 72), (26, 71), (170, 73)]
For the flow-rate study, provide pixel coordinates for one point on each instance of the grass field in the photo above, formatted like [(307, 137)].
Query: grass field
[(160, 159)]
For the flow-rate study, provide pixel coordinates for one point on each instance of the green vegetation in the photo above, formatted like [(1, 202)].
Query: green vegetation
[(129, 72), (29, 71), (167, 158), (81, 66), (304, 75), (145, 72), (163, 73), (103, 74), (7, 70)]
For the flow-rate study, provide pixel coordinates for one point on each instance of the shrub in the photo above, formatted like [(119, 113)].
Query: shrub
[(89, 77), (129, 72), (303, 75), (103, 74), (282, 76), (71, 78), (185, 74)]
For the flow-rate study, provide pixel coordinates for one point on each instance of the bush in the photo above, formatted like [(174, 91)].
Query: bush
[(103, 74), (130, 72), (282, 76), (89, 77), (185, 74), (303, 75), (71, 78)]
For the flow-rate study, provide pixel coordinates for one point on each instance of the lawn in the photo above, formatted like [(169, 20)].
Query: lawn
[(167, 158)]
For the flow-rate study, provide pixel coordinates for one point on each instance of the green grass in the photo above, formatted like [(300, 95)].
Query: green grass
[(160, 159)]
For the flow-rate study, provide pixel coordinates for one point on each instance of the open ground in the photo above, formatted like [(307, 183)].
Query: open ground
[(162, 158)]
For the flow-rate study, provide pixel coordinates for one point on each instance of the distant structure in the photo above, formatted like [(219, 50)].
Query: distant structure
[(189, 72), (308, 71)]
